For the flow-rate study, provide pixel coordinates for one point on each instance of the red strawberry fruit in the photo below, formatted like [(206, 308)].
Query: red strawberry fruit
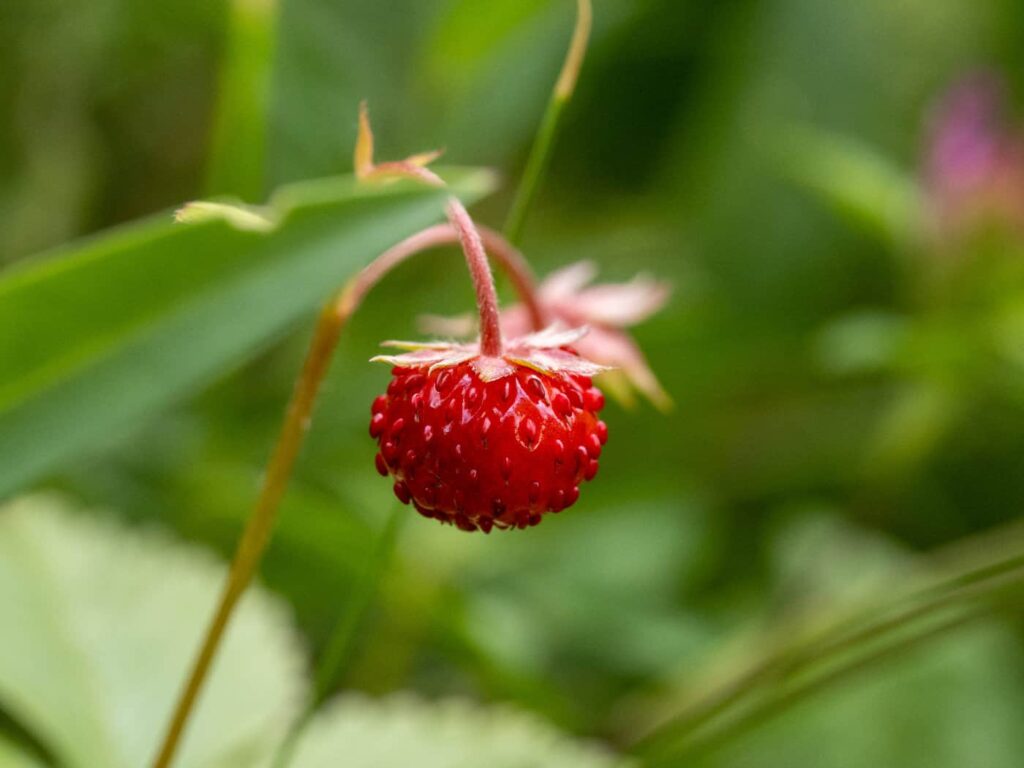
[(483, 442)]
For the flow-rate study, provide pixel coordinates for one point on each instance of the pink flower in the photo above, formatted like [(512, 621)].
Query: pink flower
[(975, 163), (606, 309)]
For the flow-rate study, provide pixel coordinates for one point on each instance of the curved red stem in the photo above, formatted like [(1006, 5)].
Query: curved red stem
[(483, 280)]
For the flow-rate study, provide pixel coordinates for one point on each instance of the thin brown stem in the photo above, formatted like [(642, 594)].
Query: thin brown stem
[(483, 280), (258, 529)]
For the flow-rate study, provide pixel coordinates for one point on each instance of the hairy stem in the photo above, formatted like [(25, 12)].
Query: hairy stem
[(483, 280), (507, 257), (540, 153)]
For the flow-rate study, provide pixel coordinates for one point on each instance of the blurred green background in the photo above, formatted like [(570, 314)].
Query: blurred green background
[(849, 386)]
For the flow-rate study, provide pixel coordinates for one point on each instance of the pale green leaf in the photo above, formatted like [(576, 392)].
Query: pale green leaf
[(100, 625), (13, 756), (403, 731)]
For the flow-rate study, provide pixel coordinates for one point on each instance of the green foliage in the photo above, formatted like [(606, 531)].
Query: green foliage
[(157, 309), (404, 730), (90, 664), (12, 756), (824, 347)]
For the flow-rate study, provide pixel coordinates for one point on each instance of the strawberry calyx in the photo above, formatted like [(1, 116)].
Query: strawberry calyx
[(548, 352)]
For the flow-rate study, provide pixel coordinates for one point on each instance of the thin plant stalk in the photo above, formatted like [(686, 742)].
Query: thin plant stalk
[(331, 664), (330, 324), (258, 529), (238, 141), (778, 699), (784, 676), (540, 152)]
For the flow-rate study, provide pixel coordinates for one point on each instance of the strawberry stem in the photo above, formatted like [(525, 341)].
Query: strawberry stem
[(483, 280), (504, 253)]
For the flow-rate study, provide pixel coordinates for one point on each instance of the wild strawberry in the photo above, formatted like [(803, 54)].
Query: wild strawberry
[(486, 442)]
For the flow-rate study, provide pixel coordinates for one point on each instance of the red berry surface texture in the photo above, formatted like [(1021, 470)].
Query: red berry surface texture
[(489, 443)]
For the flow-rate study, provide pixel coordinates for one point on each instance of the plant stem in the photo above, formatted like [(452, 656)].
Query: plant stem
[(332, 660), (258, 529), (332, 321), (540, 153), (483, 280), (239, 138), (785, 675), (778, 699), (508, 258)]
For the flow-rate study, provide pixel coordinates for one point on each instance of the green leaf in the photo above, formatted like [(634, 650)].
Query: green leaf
[(857, 181), (12, 756), (238, 143), (100, 626), (99, 336), (403, 730)]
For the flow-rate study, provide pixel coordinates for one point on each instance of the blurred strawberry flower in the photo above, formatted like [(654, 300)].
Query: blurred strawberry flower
[(974, 171), (567, 299)]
